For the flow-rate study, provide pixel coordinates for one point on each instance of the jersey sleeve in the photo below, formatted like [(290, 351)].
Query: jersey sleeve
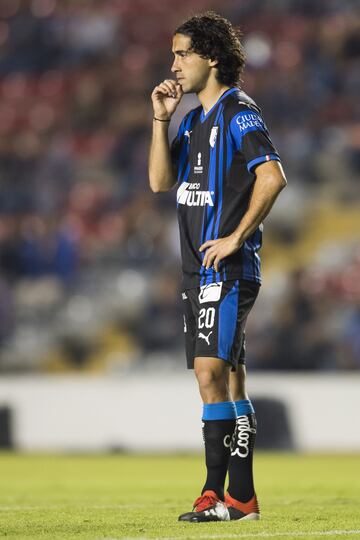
[(251, 137)]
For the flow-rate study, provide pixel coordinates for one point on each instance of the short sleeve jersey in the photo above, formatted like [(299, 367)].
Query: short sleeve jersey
[(215, 156)]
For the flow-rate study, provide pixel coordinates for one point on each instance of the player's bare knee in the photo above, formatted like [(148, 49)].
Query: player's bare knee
[(210, 379)]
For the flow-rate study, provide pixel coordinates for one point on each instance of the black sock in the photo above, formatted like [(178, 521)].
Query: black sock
[(241, 481), (217, 434)]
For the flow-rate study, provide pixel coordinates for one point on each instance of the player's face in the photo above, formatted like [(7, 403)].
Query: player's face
[(192, 71)]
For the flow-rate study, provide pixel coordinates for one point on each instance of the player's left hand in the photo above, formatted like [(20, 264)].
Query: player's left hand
[(216, 250)]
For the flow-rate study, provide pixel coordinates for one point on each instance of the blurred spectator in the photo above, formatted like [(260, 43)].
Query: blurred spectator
[(160, 328), (350, 343), (75, 80)]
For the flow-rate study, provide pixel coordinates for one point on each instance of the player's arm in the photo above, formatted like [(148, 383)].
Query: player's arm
[(270, 180), (165, 98)]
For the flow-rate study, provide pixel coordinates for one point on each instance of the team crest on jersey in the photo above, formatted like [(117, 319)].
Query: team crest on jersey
[(213, 135)]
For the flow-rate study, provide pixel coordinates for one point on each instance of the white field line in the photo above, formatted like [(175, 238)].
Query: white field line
[(294, 534), (84, 505)]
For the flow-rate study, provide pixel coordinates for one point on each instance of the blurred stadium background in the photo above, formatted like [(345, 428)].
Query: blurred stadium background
[(89, 282)]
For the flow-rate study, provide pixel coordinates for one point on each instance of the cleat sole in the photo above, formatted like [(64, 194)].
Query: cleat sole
[(249, 517)]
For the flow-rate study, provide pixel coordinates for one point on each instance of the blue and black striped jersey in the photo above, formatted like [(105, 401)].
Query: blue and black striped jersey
[(216, 156)]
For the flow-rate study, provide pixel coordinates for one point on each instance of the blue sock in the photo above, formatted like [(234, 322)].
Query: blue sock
[(224, 410), (244, 407)]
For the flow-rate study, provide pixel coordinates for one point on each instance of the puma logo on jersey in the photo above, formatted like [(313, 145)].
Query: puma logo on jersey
[(207, 338), (193, 198)]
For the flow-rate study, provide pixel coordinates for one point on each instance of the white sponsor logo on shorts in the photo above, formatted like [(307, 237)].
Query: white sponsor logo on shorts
[(210, 293)]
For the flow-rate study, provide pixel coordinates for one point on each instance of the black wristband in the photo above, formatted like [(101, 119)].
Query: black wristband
[(160, 120)]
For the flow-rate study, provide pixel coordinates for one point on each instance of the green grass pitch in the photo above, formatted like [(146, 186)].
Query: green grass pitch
[(123, 496)]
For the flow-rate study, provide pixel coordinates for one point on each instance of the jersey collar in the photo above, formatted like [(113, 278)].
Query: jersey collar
[(204, 116)]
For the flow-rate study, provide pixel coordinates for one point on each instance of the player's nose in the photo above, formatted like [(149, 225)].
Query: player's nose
[(174, 67)]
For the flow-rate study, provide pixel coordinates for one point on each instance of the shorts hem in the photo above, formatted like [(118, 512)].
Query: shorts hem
[(232, 363)]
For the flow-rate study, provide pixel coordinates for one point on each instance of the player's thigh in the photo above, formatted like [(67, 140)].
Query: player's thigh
[(213, 378)]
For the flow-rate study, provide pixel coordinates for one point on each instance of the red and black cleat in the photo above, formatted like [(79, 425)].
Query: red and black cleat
[(207, 507), (239, 510)]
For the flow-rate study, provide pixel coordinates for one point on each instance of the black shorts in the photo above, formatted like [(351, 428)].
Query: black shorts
[(214, 320)]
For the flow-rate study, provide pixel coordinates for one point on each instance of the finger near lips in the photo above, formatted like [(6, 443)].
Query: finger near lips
[(169, 88), (170, 85), (179, 89), (166, 90), (160, 91)]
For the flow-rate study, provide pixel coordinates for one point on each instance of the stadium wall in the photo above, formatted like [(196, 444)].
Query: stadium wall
[(162, 412)]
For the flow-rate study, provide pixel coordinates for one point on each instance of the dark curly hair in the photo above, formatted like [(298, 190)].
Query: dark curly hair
[(214, 37)]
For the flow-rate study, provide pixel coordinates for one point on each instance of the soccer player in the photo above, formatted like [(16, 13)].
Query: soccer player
[(228, 175)]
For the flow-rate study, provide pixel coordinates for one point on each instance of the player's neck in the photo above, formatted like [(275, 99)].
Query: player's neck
[(210, 94)]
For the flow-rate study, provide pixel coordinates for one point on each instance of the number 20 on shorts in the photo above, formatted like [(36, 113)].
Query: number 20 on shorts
[(206, 317)]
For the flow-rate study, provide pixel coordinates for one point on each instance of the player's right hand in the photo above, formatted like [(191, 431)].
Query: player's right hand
[(165, 98)]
